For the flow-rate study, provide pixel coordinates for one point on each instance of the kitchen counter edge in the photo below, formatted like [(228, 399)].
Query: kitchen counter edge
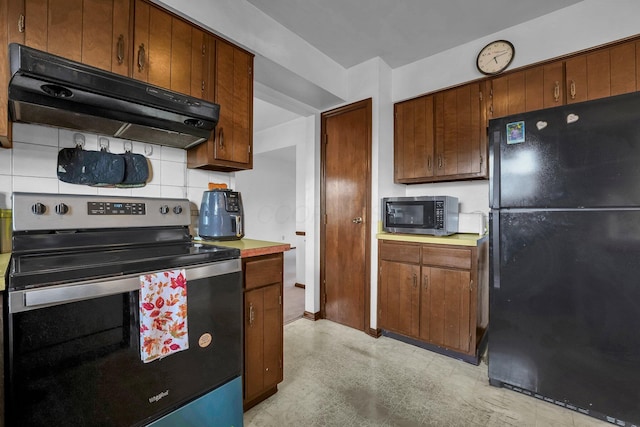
[(250, 247), (460, 239)]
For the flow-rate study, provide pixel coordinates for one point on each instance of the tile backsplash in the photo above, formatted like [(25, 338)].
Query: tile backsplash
[(31, 164)]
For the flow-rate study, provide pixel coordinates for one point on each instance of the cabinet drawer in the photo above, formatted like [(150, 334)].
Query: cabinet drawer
[(402, 252), (446, 257), (262, 271)]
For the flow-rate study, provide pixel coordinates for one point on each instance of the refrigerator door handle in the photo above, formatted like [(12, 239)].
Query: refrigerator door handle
[(494, 167), (494, 249)]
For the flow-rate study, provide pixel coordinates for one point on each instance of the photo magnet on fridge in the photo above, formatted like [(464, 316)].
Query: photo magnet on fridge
[(515, 132)]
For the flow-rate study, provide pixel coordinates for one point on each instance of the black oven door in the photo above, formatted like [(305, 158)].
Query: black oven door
[(78, 363)]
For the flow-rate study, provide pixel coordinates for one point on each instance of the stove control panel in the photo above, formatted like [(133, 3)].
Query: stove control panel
[(40, 211), (115, 208)]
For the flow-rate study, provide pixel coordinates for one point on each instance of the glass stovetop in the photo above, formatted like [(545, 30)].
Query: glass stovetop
[(37, 270)]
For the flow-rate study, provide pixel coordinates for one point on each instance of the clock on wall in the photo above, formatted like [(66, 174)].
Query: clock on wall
[(495, 57)]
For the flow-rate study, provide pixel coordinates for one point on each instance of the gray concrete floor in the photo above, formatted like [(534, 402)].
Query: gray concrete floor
[(337, 376), (293, 296)]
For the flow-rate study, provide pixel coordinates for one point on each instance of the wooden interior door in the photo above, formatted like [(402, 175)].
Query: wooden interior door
[(346, 215)]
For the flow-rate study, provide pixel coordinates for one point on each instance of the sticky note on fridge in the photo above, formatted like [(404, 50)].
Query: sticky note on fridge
[(515, 132)]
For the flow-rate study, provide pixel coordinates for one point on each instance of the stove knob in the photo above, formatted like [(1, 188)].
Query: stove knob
[(177, 209), (38, 209), (62, 209), (164, 209)]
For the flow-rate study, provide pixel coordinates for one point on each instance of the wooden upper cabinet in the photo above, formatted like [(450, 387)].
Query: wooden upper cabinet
[(531, 89), (94, 32), (414, 144), (230, 149), (168, 51), (602, 73), (441, 137), (460, 133), (234, 93), (11, 31)]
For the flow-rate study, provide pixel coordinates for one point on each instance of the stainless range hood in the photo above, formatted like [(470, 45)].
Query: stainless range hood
[(50, 90)]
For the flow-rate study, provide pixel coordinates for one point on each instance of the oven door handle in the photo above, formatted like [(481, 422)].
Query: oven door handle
[(33, 299)]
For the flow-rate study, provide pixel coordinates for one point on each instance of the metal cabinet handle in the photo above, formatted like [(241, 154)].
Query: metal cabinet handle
[(252, 314), (141, 58), (221, 138), (556, 91), (357, 220), (21, 23), (429, 162), (573, 89), (426, 282), (415, 280), (440, 161), (120, 54)]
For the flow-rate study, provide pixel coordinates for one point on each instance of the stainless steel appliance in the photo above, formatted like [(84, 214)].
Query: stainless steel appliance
[(72, 312), (51, 90), (221, 215), (565, 245), (436, 215)]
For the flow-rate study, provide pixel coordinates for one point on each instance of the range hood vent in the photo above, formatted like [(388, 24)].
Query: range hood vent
[(50, 90)]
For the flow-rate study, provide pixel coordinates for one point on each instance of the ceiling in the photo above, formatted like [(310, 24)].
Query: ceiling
[(398, 31)]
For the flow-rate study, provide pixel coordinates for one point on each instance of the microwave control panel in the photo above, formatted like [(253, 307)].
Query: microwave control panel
[(439, 215)]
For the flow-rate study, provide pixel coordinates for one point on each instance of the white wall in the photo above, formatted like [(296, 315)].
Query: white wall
[(269, 196)]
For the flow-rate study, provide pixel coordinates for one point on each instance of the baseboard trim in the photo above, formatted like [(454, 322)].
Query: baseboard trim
[(376, 333), (311, 316), (300, 285)]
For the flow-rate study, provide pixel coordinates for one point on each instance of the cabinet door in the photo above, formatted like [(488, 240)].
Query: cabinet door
[(413, 140), (528, 90), (263, 331), (399, 297), (445, 308), (169, 52), (604, 72), (94, 32), (460, 134), (234, 93), (230, 148)]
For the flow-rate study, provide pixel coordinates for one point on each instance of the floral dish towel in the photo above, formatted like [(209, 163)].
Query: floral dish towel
[(163, 314)]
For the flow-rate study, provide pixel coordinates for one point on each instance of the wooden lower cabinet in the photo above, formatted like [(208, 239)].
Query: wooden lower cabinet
[(435, 294), (263, 327)]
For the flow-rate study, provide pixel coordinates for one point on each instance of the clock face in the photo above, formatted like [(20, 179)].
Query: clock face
[(495, 57)]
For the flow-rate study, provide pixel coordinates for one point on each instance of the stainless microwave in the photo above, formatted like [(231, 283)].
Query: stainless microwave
[(435, 215)]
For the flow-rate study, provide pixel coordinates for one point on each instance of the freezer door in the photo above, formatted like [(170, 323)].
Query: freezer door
[(564, 312), (580, 155)]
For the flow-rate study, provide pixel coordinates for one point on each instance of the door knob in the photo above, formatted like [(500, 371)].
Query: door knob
[(357, 220)]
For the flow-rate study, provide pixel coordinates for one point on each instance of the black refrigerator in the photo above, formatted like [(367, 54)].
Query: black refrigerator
[(565, 256)]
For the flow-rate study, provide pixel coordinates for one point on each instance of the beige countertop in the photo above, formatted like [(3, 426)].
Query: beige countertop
[(4, 263), (250, 247), (455, 239)]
